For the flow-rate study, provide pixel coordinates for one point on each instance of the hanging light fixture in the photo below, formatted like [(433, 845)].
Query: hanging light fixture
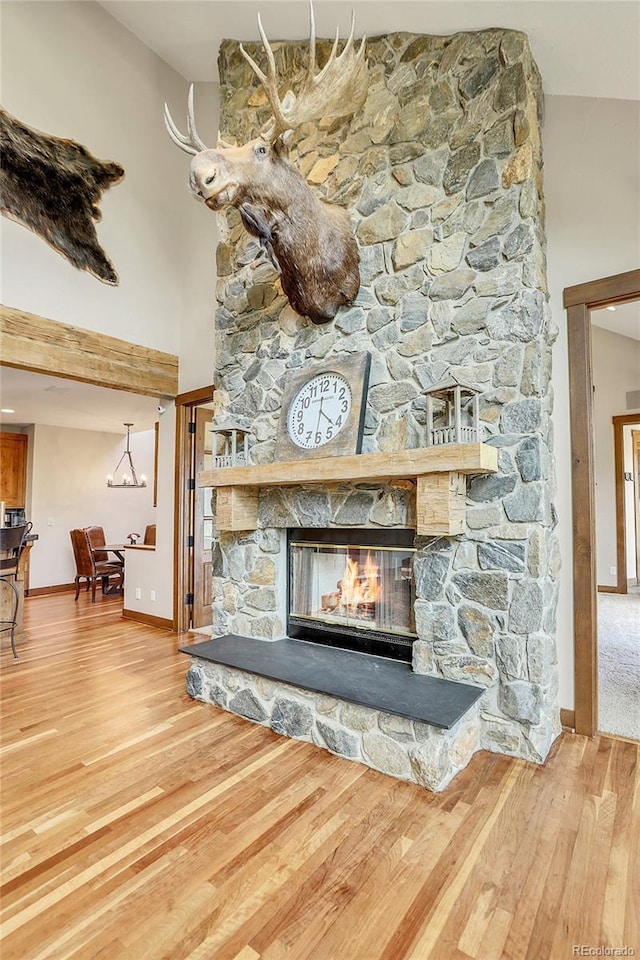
[(128, 479)]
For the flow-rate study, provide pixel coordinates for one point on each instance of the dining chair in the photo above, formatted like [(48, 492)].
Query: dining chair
[(97, 540), (90, 569), (150, 535), (12, 542)]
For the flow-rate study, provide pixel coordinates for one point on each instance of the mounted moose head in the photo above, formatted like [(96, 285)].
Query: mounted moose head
[(309, 240)]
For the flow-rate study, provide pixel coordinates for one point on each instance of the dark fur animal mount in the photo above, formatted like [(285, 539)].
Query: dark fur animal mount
[(53, 187), (310, 240)]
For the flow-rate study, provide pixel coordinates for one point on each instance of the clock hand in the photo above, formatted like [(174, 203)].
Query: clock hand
[(323, 414)]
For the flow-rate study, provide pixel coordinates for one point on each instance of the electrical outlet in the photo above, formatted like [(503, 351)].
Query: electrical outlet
[(138, 593), (612, 571), (152, 594)]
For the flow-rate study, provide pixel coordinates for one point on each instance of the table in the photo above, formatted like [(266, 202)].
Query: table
[(118, 549)]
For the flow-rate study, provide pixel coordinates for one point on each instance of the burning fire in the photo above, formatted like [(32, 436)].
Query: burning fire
[(359, 589)]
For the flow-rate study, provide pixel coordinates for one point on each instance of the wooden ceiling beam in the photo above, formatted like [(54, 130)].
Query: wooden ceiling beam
[(31, 342)]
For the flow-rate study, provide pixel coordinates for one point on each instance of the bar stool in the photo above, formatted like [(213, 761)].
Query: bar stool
[(12, 541)]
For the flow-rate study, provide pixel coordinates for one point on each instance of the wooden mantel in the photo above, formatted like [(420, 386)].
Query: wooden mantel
[(439, 473)]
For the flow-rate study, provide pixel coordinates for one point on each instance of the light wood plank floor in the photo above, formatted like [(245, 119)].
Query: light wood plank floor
[(137, 823)]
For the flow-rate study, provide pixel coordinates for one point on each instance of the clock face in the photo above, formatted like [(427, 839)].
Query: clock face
[(319, 411)]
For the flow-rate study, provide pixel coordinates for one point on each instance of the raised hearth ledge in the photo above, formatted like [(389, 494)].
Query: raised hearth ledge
[(439, 474), (362, 678), (345, 704)]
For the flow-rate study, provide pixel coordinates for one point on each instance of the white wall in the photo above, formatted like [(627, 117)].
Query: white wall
[(616, 370), (153, 571), (592, 186), (72, 70), (69, 490)]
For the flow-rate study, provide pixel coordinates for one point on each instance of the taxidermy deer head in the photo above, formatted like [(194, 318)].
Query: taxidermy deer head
[(53, 186), (309, 240)]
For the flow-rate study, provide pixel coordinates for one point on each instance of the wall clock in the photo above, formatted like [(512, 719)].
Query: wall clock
[(323, 409)]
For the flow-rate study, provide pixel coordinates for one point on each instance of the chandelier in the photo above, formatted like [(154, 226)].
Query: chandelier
[(128, 479)]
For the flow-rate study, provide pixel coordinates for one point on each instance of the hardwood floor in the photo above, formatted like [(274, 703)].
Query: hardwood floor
[(137, 823)]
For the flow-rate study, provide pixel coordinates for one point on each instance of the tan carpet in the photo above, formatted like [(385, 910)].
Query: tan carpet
[(619, 664)]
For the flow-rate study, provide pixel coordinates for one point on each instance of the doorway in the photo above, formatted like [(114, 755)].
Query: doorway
[(627, 453), (194, 515), (635, 453), (579, 301)]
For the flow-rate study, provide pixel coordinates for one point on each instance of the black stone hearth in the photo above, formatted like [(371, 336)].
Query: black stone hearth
[(369, 681)]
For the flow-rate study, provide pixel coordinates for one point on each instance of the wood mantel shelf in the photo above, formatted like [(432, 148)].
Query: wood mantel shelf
[(439, 473)]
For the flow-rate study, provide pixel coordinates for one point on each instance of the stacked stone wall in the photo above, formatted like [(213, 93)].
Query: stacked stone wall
[(442, 174)]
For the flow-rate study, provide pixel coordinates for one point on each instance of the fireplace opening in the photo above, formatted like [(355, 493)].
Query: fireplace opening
[(353, 589)]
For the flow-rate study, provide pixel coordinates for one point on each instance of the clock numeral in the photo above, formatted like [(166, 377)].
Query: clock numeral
[(318, 438), (329, 433), (308, 437), (338, 422), (341, 395), (345, 406), (300, 429), (306, 402)]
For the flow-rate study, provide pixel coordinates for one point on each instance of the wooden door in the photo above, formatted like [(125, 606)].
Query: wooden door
[(202, 523), (13, 469)]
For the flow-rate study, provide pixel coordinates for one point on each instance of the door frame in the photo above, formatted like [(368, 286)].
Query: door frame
[(578, 301), (185, 402), (621, 510)]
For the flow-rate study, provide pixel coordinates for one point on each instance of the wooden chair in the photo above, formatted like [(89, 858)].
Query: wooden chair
[(97, 539), (150, 535), (12, 542), (90, 569)]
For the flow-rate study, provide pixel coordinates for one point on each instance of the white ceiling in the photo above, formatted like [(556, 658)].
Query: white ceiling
[(584, 48), (625, 319), (56, 402)]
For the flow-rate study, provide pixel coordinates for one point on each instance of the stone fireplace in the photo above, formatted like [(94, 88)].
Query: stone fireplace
[(442, 173)]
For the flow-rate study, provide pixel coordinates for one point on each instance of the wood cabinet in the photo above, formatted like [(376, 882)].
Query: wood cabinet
[(13, 469)]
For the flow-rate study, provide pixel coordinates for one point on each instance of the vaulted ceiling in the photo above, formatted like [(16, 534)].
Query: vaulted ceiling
[(584, 48)]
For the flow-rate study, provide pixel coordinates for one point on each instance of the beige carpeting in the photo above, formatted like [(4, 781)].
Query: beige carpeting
[(619, 664)]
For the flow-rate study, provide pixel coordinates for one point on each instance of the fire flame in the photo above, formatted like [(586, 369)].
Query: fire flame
[(357, 589)]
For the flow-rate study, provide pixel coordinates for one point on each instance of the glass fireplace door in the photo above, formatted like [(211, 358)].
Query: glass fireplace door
[(352, 589)]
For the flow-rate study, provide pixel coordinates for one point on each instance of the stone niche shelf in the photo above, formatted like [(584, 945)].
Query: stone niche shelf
[(439, 474)]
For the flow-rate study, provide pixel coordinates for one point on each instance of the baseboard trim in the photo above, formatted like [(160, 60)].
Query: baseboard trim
[(568, 719), (607, 589), (147, 618), (45, 591)]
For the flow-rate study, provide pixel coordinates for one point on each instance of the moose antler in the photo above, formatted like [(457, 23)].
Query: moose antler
[(192, 143), (338, 90)]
